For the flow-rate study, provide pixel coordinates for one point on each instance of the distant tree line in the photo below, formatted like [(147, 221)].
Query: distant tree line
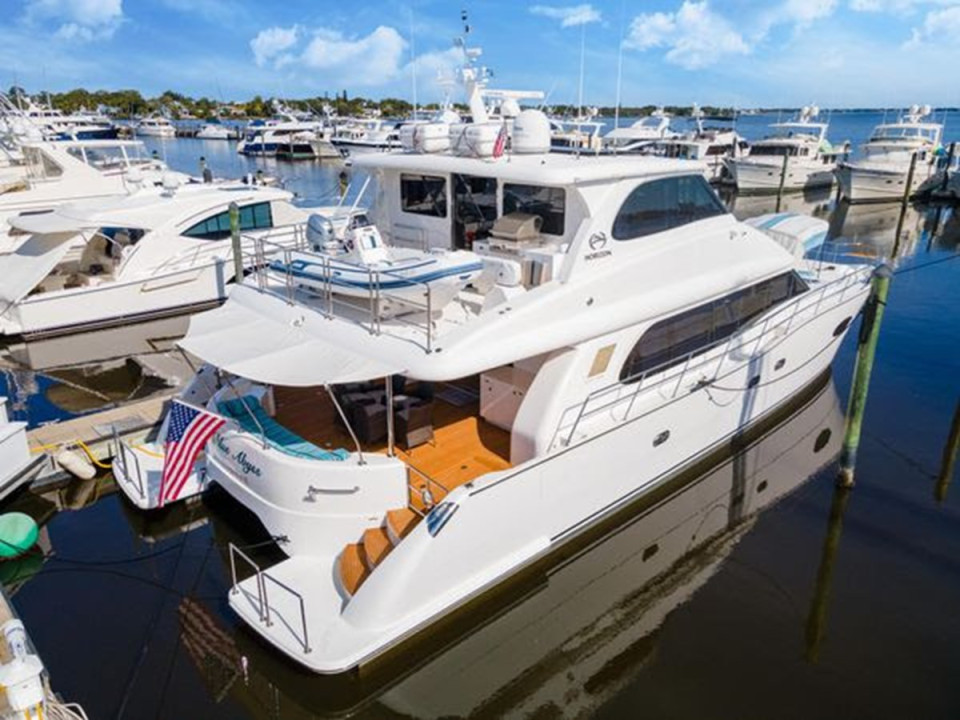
[(130, 103)]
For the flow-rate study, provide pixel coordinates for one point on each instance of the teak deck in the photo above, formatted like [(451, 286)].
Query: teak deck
[(464, 447)]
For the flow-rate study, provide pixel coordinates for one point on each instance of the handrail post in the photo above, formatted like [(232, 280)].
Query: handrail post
[(346, 422)]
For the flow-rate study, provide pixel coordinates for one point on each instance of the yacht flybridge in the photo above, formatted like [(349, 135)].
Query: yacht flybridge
[(882, 173), (412, 450), (797, 156), (156, 252)]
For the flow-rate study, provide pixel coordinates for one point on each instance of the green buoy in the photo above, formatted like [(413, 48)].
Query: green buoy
[(18, 533)]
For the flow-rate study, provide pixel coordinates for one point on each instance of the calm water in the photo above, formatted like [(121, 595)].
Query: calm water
[(752, 591)]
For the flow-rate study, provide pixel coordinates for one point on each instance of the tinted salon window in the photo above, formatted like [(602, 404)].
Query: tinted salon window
[(424, 195), (547, 202), (664, 204)]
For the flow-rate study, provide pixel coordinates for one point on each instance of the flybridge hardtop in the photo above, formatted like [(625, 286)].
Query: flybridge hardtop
[(552, 169)]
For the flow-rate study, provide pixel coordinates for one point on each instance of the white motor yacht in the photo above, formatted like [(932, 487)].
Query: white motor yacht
[(17, 465), (411, 457), (155, 126), (216, 130), (711, 146), (355, 136), (637, 136), (882, 173), (51, 173), (797, 156), (159, 251)]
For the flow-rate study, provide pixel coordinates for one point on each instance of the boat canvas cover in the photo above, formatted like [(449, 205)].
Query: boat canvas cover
[(30, 264), (265, 342)]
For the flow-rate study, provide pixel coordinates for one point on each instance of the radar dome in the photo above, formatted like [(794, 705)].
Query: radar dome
[(531, 133)]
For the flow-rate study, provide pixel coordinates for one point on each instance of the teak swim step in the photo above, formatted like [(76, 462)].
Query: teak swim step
[(358, 560)]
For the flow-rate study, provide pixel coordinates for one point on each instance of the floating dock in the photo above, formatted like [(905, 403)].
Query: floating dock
[(93, 435)]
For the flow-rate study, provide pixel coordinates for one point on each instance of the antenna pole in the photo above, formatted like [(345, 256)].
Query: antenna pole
[(583, 46), (413, 63), (616, 112)]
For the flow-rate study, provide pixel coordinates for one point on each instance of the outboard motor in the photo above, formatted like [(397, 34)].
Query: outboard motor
[(320, 233), (365, 245)]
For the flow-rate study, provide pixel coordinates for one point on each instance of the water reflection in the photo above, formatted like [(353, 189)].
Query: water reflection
[(60, 377)]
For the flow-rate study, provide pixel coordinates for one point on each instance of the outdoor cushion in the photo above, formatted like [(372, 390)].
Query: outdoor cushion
[(279, 437)]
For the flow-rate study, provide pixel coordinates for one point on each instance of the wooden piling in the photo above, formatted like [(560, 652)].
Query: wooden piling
[(946, 168), (949, 462), (817, 618), (869, 334), (904, 202), (783, 180), (235, 241)]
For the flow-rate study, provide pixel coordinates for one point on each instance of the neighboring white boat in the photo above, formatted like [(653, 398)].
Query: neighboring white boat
[(711, 146), (82, 125), (50, 174), (284, 130), (216, 131), (355, 136), (411, 457), (17, 465), (640, 134), (155, 126), (157, 252), (881, 174), (810, 158)]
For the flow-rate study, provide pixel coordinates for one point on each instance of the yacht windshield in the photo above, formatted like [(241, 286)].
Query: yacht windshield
[(664, 204)]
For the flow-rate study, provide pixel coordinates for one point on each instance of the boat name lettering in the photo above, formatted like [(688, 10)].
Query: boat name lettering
[(239, 458)]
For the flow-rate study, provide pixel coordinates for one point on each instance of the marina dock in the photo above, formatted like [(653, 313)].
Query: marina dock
[(93, 435)]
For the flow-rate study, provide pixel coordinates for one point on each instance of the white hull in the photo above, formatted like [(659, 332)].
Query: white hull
[(750, 174), (528, 511), (17, 465), (162, 132), (113, 303), (879, 182)]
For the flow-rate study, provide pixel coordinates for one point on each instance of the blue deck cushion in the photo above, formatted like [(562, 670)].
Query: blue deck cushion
[(279, 437)]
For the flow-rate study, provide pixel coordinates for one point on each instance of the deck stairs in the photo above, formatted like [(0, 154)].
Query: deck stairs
[(357, 560)]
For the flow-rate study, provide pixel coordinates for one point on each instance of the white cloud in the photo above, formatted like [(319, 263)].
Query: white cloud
[(694, 35), (270, 43), (897, 6), (368, 60), (80, 19), (569, 16), (940, 26)]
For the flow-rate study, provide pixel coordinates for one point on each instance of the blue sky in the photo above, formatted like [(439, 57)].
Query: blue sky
[(839, 53)]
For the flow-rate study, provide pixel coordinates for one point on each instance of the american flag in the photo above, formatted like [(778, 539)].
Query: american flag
[(501, 143), (189, 430)]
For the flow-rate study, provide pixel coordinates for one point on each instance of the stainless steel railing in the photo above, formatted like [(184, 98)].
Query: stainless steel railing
[(281, 279), (263, 598), (425, 492), (120, 456)]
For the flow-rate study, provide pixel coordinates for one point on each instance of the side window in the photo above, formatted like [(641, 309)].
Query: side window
[(424, 195), (217, 227), (664, 204), (668, 342), (547, 202)]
